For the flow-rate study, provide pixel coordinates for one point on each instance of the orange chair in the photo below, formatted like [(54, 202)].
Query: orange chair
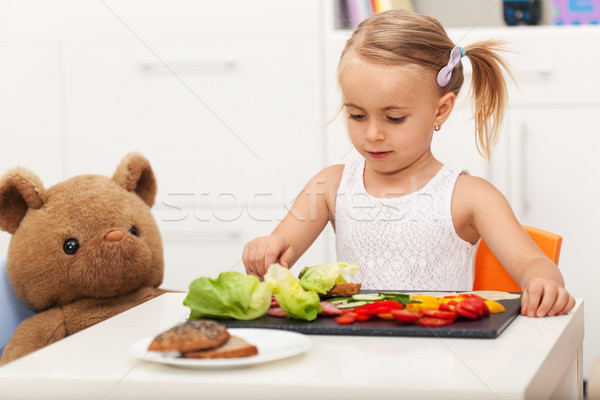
[(491, 275)]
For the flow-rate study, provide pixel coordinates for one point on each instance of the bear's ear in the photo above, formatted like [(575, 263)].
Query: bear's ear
[(20, 190), (135, 174)]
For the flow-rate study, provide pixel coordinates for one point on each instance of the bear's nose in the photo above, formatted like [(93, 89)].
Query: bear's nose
[(114, 236)]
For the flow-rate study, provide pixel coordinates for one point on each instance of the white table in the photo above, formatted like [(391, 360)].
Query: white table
[(533, 358)]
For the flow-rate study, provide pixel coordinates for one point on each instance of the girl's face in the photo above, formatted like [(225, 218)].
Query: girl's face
[(391, 113)]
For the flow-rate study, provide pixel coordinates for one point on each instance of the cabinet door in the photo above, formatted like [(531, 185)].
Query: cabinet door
[(236, 116), (555, 185), (30, 110)]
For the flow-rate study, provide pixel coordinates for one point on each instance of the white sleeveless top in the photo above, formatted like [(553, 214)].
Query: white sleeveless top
[(403, 243)]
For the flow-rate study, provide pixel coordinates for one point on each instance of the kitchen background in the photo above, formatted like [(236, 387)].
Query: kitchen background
[(230, 101)]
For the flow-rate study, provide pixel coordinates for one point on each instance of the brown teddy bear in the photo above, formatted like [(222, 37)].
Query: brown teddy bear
[(81, 251)]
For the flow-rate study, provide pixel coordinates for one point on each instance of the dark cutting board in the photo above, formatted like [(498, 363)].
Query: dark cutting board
[(488, 327)]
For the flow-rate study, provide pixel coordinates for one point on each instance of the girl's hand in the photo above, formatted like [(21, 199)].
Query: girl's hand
[(260, 253), (544, 297)]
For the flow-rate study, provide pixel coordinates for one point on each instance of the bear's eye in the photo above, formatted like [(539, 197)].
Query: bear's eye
[(71, 246), (133, 230)]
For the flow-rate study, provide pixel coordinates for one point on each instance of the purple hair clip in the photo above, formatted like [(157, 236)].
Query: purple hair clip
[(445, 73)]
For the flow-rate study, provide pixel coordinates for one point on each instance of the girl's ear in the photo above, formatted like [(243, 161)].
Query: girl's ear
[(20, 190), (445, 106), (135, 174)]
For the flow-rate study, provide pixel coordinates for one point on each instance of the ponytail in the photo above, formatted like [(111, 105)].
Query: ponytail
[(488, 92)]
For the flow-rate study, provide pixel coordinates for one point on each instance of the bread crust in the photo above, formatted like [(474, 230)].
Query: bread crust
[(193, 335), (235, 347), (343, 289)]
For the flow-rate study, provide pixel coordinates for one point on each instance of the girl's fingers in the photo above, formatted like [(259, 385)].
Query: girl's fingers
[(569, 306), (287, 256), (534, 295), (550, 294), (524, 300), (562, 299)]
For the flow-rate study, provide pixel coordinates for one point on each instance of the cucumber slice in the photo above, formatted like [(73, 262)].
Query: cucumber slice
[(351, 304), (367, 297), (336, 300), (399, 297)]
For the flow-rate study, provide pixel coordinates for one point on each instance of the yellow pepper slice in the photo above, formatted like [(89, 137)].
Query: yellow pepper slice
[(495, 307)]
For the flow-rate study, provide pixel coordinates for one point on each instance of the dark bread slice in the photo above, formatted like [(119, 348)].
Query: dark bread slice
[(235, 347), (197, 334), (343, 289)]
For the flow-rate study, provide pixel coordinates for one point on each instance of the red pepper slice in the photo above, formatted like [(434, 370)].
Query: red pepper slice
[(447, 307), (474, 306), (450, 315), (460, 310), (434, 322), (345, 319), (379, 307), (406, 316), (362, 317)]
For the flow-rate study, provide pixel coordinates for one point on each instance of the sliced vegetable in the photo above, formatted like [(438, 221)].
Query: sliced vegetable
[(446, 307), (451, 315), (367, 297), (345, 319), (352, 304), (362, 317), (399, 297), (379, 307), (465, 313), (406, 316), (494, 306), (433, 322), (339, 300)]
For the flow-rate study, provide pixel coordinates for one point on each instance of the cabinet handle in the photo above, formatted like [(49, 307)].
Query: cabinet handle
[(542, 71), (524, 169), (216, 63), (187, 236)]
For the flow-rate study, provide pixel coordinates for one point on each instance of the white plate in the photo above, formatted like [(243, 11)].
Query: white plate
[(272, 345)]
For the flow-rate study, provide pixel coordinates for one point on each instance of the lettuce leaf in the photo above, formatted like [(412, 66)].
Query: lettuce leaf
[(321, 278), (294, 300), (231, 295)]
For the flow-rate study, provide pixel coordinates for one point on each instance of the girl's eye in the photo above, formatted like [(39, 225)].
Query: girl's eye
[(357, 117), (396, 120)]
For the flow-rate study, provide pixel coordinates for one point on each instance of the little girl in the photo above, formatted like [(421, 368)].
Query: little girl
[(410, 221)]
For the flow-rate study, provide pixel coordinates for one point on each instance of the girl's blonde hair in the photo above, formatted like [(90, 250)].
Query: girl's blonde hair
[(401, 37)]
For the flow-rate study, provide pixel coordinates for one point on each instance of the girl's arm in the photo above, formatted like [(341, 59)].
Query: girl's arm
[(310, 213), (485, 212)]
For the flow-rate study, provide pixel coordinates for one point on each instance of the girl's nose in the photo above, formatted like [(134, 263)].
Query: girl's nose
[(374, 133)]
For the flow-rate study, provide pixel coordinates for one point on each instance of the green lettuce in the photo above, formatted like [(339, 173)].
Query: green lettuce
[(294, 300), (231, 295), (321, 278)]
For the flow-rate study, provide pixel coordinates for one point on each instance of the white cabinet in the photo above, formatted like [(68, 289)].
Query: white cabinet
[(224, 98), (30, 117), (229, 118)]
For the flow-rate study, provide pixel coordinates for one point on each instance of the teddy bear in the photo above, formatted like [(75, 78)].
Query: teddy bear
[(81, 251)]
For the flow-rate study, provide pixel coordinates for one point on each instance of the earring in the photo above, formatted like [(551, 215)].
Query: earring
[(437, 126)]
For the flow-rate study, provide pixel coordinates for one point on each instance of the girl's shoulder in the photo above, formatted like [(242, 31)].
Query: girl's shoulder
[(474, 197), (474, 188), (329, 177)]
